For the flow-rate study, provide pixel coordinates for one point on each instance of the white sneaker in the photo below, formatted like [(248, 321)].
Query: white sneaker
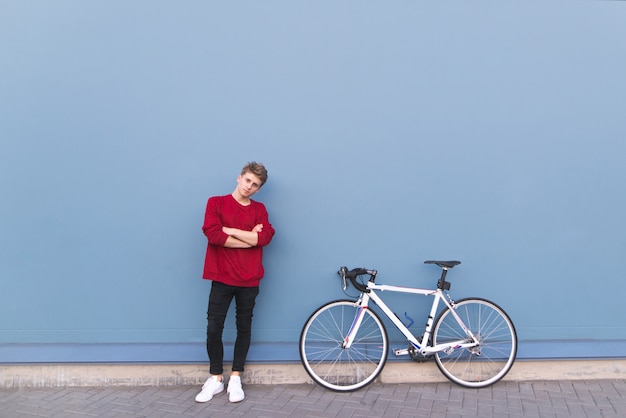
[(235, 392), (211, 387)]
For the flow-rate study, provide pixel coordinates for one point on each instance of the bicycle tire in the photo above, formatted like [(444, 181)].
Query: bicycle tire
[(325, 359), (492, 359)]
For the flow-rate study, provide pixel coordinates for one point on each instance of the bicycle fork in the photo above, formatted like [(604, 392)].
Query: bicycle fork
[(363, 303)]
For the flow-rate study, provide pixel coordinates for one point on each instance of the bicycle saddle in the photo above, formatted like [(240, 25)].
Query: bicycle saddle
[(442, 264)]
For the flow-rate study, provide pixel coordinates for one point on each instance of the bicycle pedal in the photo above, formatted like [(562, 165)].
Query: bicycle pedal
[(401, 352)]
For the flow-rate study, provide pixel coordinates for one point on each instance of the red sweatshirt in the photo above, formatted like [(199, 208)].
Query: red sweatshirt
[(234, 266)]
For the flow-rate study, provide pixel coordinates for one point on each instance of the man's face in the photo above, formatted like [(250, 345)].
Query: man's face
[(248, 184)]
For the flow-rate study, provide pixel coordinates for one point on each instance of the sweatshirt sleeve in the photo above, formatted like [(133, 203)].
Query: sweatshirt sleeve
[(266, 235), (212, 227)]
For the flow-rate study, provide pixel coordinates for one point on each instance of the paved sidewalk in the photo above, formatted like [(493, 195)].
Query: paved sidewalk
[(594, 398)]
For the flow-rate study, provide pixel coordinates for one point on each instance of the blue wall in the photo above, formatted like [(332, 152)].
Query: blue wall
[(491, 132)]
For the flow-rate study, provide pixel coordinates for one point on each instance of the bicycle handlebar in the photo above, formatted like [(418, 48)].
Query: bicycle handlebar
[(353, 274)]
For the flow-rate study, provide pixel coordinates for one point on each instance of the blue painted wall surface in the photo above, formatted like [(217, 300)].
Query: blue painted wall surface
[(492, 132)]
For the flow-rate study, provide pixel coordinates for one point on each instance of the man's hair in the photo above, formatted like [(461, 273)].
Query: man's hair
[(257, 169)]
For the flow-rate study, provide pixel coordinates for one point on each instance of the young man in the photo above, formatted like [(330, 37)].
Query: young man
[(237, 229)]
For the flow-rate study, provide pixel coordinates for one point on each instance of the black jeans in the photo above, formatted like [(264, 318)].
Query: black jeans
[(219, 301)]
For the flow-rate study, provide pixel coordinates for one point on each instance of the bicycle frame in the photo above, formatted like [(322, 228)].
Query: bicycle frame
[(424, 348)]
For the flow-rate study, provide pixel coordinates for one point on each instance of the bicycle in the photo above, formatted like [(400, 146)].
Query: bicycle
[(344, 344)]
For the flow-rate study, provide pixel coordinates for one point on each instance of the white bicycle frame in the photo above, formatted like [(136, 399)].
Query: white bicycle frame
[(424, 348)]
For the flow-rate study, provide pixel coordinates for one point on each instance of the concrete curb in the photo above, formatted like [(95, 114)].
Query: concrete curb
[(17, 376)]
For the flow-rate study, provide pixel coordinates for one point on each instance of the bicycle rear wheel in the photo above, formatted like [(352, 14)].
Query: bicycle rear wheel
[(492, 358), (322, 352)]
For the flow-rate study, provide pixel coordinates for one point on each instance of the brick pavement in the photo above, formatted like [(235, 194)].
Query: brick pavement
[(595, 398)]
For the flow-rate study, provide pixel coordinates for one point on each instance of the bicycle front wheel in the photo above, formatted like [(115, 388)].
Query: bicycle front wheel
[(322, 352), (491, 359)]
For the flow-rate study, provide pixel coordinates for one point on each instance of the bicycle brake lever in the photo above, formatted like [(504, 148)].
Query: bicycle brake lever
[(342, 272)]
